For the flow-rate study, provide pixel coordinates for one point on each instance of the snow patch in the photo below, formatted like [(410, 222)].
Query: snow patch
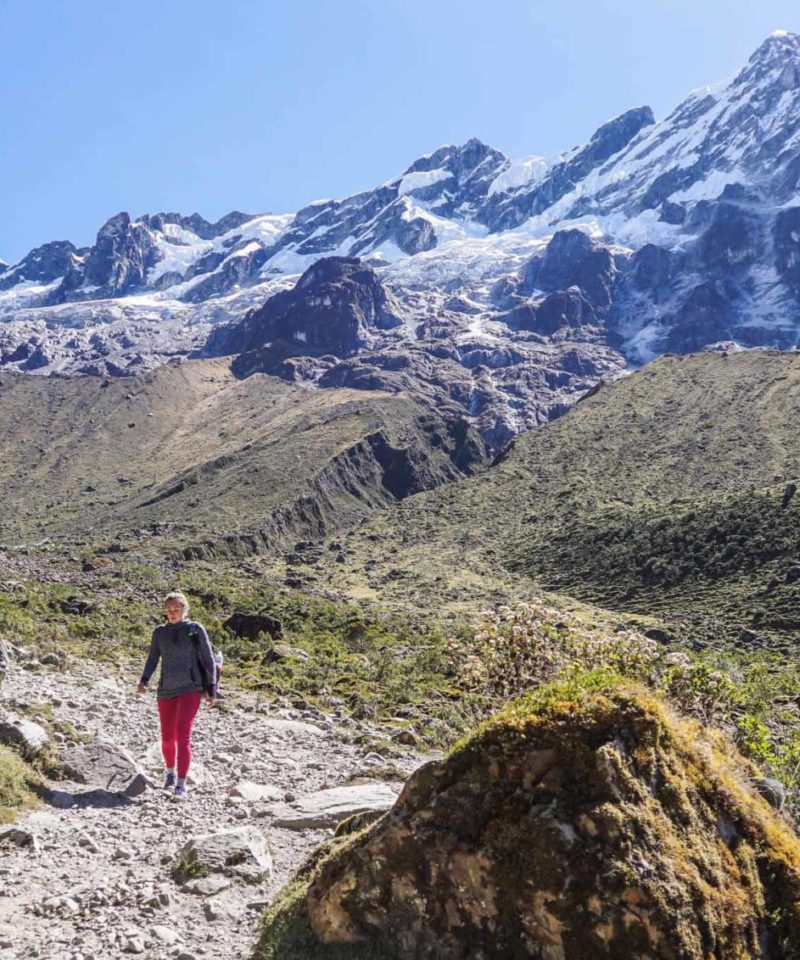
[(519, 173), (420, 179)]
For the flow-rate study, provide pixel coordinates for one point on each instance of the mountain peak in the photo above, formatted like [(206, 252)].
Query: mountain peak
[(780, 51), (457, 157)]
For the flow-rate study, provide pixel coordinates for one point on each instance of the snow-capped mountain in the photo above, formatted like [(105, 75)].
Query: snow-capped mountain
[(512, 285)]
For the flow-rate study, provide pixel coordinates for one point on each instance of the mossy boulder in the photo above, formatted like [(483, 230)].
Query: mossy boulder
[(574, 825)]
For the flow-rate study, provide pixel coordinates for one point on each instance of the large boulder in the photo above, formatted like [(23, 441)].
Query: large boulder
[(251, 625), (573, 826), (327, 808), (102, 765), (25, 735), (239, 852)]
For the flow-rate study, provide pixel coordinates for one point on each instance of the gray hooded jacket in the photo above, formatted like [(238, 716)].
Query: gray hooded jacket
[(187, 665)]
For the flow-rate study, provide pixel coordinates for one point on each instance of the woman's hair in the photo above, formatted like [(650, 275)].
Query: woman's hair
[(177, 597)]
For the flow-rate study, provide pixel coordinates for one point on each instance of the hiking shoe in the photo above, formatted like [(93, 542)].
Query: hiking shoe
[(170, 782), (180, 792)]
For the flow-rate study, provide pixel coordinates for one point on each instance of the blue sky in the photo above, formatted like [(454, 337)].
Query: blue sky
[(212, 106)]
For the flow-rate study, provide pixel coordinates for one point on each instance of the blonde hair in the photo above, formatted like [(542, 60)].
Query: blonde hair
[(177, 597)]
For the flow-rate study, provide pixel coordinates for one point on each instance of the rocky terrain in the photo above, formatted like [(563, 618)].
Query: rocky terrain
[(509, 286), (95, 872)]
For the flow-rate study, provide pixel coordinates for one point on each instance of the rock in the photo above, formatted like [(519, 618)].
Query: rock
[(240, 852), (567, 831), (88, 843), (772, 791), (100, 764), (18, 837), (17, 731), (137, 786), (251, 626), (164, 934), (216, 911), (334, 309), (326, 808), (282, 651), (50, 660), (134, 945), (255, 792), (207, 886), (407, 737), (292, 726)]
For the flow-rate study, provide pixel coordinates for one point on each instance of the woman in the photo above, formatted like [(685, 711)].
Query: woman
[(188, 675)]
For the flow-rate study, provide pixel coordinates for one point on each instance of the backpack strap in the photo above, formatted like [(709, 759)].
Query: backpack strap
[(194, 636)]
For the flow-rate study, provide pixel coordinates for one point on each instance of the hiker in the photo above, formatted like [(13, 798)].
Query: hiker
[(188, 675)]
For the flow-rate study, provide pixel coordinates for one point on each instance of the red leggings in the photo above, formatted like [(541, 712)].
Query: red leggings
[(177, 716)]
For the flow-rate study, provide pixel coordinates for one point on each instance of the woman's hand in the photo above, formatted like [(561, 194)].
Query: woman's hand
[(209, 699), (141, 688)]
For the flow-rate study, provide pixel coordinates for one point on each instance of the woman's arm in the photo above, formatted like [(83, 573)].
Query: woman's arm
[(152, 660)]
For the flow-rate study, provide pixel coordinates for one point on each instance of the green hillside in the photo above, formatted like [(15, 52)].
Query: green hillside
[(217, 464), (664, 493)]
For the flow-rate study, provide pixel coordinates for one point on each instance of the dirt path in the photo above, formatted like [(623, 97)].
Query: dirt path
[(97, 882)]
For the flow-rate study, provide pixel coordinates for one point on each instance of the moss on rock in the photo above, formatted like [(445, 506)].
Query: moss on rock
[(583, 821)]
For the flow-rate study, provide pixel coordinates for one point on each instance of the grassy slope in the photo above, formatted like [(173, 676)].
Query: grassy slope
[(698, 441), (17, 779), (191, 445)]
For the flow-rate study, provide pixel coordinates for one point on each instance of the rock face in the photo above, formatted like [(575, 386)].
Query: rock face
[(593, 829), (334, 308)]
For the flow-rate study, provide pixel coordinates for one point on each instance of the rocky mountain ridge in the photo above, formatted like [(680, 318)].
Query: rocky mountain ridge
[(516, 285)]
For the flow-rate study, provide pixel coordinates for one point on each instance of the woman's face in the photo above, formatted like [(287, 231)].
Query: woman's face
[(174, 610)]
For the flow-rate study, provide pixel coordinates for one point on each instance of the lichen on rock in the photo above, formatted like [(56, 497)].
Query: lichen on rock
[(581, 822)]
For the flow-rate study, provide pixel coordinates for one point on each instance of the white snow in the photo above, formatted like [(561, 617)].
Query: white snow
[(422, 178), (177, 257), (246, 250), (519, 173), (711, 187), (25, 294)]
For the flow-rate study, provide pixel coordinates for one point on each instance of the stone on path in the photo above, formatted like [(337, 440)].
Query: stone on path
[(207, 886), (292, 726), (18, 838), (240, 851), (326, 808), (164, 934), (255, 792), (100, 764), (27, 736)]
